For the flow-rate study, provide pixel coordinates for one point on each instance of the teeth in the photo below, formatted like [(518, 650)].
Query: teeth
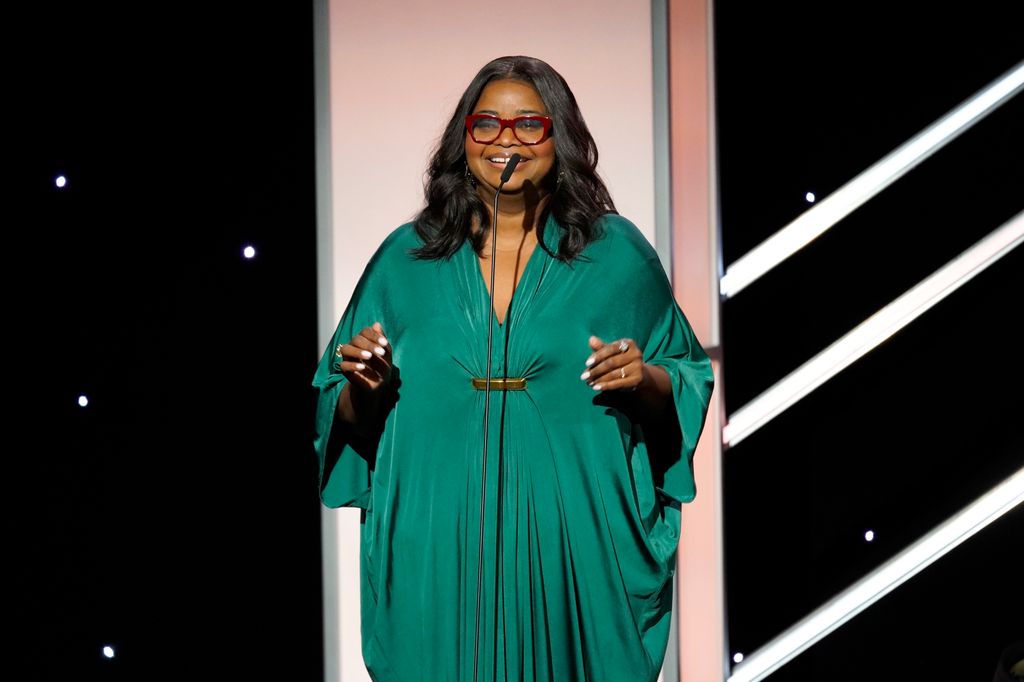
[(498, 159)]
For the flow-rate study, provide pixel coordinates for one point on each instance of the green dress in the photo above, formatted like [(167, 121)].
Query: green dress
[(581, 506)]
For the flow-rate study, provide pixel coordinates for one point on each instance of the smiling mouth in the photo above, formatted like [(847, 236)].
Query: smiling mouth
[(503, 160)]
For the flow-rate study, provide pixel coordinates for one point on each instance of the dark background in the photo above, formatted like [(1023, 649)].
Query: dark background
[(809, 95), (176, 516)]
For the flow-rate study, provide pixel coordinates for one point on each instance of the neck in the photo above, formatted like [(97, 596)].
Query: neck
[(517, 211)]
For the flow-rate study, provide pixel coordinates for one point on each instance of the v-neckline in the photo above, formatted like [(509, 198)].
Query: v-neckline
[(515, 289)]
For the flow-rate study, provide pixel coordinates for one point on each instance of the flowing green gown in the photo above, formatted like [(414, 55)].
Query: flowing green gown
[(581, 505)]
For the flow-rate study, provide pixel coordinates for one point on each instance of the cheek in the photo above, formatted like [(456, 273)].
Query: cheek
[(546, 156), (473, 149), (546, 152)]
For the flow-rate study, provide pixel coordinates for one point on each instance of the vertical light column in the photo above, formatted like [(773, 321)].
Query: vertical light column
[(330, 531), (696, 268)]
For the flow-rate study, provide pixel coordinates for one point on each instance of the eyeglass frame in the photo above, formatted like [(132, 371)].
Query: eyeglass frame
[(503, 123)]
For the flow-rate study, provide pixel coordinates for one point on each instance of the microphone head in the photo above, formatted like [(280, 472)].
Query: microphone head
[(510, 167)]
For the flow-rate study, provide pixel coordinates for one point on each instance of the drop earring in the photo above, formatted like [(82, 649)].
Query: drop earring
[(469, 177)]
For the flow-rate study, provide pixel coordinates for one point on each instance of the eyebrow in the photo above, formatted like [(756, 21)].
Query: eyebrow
[(521, 112)]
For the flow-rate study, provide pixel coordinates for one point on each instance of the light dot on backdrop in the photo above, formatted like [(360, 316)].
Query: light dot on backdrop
[(83, 401), (737, 657), (248, 252), (108, 651), (60, 181), (810, 197), (869, 536)]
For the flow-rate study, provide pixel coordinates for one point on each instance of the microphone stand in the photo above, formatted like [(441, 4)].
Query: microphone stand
[(510, 166)]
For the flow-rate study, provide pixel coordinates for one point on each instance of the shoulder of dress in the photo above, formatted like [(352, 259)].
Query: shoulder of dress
[(403, 236), (398, 244), (622, 236)]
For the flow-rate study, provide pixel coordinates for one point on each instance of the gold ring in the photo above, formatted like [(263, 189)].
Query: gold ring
[(622, 372)]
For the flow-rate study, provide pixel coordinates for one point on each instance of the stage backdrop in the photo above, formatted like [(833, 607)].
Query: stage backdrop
[(389, 76)]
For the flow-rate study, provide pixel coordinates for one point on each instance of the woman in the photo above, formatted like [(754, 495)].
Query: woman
[(549, 554)]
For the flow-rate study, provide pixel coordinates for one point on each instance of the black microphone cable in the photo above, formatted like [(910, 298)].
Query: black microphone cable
[(510, 166)]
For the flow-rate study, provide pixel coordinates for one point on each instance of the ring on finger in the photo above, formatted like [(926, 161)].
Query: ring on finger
[(622, 372), (623, 346)]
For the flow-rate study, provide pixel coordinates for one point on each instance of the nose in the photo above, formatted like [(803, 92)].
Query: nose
[(507, 137)]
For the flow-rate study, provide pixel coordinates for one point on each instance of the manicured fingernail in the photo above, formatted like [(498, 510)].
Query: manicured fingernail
[(378, 350), (597, 387), (382, 341), (366, 354), (590, 361), (360, 365), (585, 375)]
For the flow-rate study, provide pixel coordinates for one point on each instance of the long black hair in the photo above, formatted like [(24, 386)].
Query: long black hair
[(578, 195)]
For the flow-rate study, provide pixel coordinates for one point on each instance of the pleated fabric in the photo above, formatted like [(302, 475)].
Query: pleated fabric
[(580, 504)]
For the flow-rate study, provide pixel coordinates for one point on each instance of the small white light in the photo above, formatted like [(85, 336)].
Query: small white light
[(737, 657), (869, 536), (83, 401), (810, 197), (61, 181), (108, 651), (248, 252)]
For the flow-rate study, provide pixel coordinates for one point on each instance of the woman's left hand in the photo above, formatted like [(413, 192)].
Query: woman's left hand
[(614, 366)]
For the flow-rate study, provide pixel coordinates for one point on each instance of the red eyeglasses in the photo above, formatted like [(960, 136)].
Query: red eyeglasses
[(486, 128)]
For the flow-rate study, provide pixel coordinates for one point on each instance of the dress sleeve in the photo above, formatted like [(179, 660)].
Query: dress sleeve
[(674, 347), (669, 342), (346, 456)]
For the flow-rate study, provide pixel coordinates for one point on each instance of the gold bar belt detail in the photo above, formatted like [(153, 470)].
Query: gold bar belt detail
[(517, 384)]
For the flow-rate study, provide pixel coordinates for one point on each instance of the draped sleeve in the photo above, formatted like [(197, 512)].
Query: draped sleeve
[(346, 455), (677, 350), (669, 342)]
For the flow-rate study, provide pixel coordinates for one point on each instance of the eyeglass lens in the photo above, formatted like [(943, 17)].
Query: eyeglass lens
[(526, 130)]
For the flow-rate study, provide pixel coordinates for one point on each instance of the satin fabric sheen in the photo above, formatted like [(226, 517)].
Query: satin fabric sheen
[(581, 506)]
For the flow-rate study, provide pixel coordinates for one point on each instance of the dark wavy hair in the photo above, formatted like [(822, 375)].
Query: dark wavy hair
[(578, 196)]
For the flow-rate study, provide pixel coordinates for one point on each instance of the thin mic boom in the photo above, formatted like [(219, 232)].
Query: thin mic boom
[(510, 166)]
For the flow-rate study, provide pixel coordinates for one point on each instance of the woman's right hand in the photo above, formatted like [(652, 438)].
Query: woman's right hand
[(366, 359)]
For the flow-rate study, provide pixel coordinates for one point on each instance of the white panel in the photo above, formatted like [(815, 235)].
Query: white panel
[(406, 63)]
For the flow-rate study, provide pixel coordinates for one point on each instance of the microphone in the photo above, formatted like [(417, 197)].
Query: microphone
[(510, 167)]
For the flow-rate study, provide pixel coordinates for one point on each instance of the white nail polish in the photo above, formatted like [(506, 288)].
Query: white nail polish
[(597, 387), (585, 376), (378, 350), (366, 354), (382, 341), (590, 361), (360, 365)]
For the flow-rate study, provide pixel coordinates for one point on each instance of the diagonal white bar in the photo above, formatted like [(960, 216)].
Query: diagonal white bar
[(872, 331), (882, 580), (823, 215)]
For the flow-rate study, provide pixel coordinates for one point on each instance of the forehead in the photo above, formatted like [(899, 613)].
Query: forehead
[(508, 97)]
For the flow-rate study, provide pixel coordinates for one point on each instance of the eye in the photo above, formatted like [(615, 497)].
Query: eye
[(529, 124), (486, 124)]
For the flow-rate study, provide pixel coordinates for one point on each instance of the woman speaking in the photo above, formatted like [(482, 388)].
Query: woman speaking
[(514, 397)]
